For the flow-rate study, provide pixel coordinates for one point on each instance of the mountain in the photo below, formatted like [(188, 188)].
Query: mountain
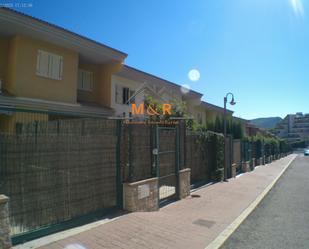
[(266, 123)]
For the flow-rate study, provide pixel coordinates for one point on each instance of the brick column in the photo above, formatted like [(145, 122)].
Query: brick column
[(253, 164), (5, 241), (184, 183), (141, 196), (245, 166), (234, 167)]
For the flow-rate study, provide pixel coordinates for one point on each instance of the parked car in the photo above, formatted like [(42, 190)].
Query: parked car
[(306, 152)]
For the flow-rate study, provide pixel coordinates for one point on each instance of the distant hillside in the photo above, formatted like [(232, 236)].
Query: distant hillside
[(266, 123)]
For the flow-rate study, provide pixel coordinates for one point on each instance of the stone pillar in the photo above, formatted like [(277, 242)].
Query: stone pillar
[(253, 163), (233, 171), (5, 240), (258, 161), (184, 183), (141, 196), (245, 166)]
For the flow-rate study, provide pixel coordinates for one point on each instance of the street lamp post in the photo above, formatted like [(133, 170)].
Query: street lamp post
[(225, 157)]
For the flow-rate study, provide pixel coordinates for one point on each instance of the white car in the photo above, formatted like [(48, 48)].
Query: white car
[(306, 152)]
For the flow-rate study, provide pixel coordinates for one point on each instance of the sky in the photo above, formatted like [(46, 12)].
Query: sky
[(256, 49)]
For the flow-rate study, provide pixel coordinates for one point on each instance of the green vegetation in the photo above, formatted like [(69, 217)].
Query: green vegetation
[(270, 145), (212, 146), (179, 108), (234, 128)]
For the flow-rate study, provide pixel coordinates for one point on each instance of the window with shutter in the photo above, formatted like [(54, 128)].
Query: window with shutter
[(118, 94), (124, 95), (85, 80), (49, 65)]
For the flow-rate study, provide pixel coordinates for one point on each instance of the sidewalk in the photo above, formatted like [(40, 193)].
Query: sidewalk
[(189, 223)]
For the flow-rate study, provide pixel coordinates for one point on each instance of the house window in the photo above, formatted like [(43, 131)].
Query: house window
[(124, 95), (49, 65), (85, 80)]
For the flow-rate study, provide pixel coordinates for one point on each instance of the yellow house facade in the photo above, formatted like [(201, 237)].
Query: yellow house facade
[(55, 73), (47, 68)]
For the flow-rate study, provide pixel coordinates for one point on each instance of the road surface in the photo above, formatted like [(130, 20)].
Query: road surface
[(281, 220)]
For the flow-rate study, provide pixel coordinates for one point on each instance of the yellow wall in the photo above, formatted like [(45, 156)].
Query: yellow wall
[(20, 79), (196, 112), (4, 48), (105, 86), (24, 82), (8, 122), (211, 115)]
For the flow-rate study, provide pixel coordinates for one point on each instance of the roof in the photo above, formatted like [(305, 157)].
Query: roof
[(80, 109), (136, 74), (215, 107), (13, 22)]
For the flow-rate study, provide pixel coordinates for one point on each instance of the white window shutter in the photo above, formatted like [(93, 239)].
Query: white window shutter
[(91, 81), (88, 81), (43, 64), (80, 80), (53, 67), (38, 61), (60, 67), (56, 67), (49, 65), (85, 80), (118, 94)]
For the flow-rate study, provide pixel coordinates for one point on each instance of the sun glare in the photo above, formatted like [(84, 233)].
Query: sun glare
[(185, 88), (194, 75), (298, 7)]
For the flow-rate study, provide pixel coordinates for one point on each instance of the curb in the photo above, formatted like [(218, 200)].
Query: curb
[(227, 232)]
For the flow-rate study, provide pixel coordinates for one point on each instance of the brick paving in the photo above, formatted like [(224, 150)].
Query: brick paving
[(189, 223)]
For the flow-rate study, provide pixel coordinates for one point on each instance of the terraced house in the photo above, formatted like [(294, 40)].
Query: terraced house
[(64, 154), (47, 68)]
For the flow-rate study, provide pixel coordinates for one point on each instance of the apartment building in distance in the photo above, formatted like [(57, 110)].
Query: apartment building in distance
[(294, 127)]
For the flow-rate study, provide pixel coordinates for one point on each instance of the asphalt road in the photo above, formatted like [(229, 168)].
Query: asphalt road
[(281, 220)]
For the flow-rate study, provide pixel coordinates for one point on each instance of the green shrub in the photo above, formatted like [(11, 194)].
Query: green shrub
[(212, 145)]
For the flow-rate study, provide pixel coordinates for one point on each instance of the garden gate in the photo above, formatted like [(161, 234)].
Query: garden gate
[(166, 152)]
